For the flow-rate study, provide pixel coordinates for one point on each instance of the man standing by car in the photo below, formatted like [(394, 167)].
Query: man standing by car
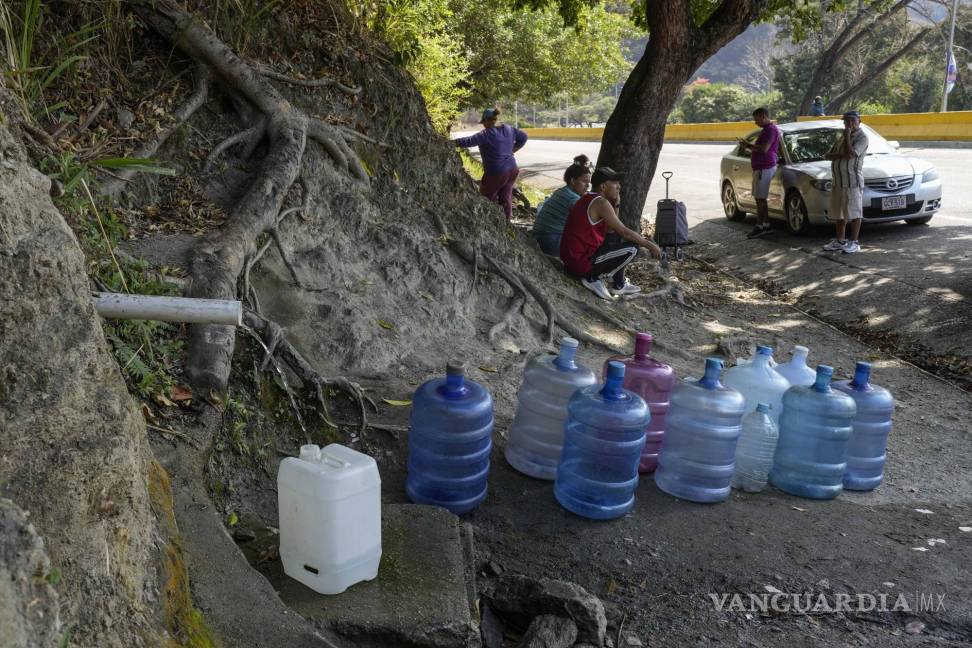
[(847, 193), (763, 159)]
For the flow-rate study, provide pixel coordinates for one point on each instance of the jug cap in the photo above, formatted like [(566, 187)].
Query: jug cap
[(824, 374), (763, 407), (762, 349), (456, 368), (642, 344), (310, 452), (862, 374), (569, 342), (713, 368), (615, 369), (612, 389)]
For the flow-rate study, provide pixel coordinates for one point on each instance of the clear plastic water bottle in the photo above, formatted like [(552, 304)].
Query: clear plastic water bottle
[(603, 437), (872, 425), (698, 453), (796, 370), (537, 432), (759, 382), (653, 380), (755, 450), (816, 425), (449, 442)]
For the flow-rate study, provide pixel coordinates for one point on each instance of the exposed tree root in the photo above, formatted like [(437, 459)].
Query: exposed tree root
[(520, 283), (222, 256), (145, 152), (250, 136), (323, 82), (272, 333)]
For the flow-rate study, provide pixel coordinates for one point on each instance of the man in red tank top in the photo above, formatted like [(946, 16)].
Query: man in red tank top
[(586, 248)]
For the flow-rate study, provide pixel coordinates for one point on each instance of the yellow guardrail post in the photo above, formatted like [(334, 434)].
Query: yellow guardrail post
[(940, 127)]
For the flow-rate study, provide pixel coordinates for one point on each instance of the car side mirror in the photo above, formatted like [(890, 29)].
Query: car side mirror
[(894, 144)]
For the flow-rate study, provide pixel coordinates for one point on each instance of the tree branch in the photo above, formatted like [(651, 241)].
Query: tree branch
[(873, 74)]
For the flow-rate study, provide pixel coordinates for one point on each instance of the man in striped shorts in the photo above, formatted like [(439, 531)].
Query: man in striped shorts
[(847, 193)]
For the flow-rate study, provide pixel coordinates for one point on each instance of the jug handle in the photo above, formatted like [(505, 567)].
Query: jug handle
[(334, 462)]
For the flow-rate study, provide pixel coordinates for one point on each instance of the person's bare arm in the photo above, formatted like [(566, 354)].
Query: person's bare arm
[(603, 210)]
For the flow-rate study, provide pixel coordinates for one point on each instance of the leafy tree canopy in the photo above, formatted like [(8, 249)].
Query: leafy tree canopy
[(804, 16)]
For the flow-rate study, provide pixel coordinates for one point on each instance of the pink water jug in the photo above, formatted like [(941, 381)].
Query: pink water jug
[(653, 381)]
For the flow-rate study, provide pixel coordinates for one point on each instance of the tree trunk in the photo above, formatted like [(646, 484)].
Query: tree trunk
[(635, 132)]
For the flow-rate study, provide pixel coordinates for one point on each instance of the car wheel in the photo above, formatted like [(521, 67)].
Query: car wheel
[(797, 220), (729, 204), (919, 221)]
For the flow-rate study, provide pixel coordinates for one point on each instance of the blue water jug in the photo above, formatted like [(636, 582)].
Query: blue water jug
[(449, 442), (698, 453), (872, 425), (816, 424), (537, 432), (603, 437)]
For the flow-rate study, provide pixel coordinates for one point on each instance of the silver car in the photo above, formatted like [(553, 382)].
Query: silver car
[(897, 187)]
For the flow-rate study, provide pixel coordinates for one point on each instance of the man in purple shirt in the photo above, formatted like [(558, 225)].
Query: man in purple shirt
[(763, 160), (497, 143)]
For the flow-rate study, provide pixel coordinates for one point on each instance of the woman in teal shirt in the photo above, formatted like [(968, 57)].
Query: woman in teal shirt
[(552, 214)]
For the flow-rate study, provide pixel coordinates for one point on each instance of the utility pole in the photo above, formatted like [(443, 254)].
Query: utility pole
[(516, 114), (949, 57)]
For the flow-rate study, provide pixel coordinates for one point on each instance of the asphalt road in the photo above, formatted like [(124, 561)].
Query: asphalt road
[(912, 280), (696, 179)]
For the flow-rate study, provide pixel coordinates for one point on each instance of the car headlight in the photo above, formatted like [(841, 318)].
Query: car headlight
[(929, 175), (822, 184)]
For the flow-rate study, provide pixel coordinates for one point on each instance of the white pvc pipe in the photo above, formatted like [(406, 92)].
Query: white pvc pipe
[(169, 309)]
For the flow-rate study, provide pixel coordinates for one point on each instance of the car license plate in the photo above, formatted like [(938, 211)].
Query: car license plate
[(894, 202)]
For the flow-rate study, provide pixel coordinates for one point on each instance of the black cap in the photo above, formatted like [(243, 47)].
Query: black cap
[(605, 174), (852, 113)]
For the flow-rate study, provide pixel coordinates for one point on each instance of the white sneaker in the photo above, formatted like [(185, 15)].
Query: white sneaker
[(834, 245), (627, 289), (851, 247), (598, 288)]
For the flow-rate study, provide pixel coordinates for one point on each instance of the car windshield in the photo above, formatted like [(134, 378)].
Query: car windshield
[(813, 144)]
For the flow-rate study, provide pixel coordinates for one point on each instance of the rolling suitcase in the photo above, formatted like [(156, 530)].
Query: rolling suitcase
[(671, 223)]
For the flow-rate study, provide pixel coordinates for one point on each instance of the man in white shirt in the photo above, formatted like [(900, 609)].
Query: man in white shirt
[(847, 192)]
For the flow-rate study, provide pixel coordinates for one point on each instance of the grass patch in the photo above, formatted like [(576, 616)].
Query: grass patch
[(148, 352)]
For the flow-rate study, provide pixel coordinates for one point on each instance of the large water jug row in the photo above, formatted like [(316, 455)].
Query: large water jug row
[(758, 422)]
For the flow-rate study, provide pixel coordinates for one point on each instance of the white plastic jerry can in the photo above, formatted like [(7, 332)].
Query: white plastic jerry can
[(330, 517)]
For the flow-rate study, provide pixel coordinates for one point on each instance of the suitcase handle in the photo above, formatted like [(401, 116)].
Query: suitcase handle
[(668, 176)]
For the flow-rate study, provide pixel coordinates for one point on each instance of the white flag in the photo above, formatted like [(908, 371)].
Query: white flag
[(951, 72)]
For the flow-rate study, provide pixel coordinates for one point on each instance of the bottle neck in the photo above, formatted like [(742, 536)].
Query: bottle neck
[(800, 356), (565, 359), (862, 376), (642, 347), (710, 380), (612, 389), (822, 384), (455, 385)]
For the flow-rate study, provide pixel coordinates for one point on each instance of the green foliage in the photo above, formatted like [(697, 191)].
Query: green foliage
[(148, 352), (418, 31), (722, 102), (530, 56), (908, 86), (27, 77)]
